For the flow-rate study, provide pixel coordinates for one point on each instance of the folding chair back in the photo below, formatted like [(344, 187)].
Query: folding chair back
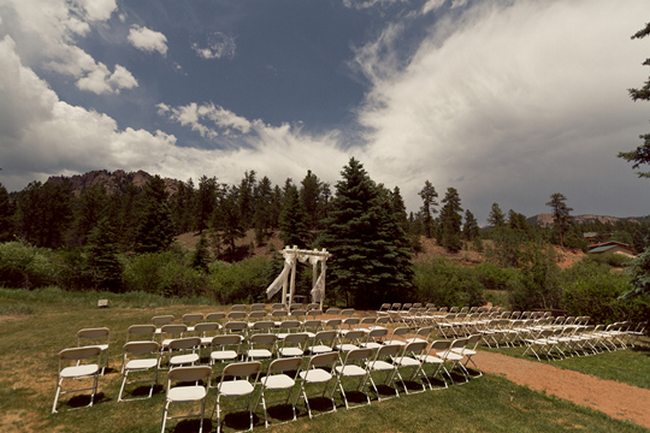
[(139, 348), (332, 323), (313, 312), (93, 334), (388, 351), (235, 326), (199, 373), (79, 353), (161, 320), (358, 355), (333, 310), (226, 340), (262, 339), (173, 330), (287, 326), (187, 343), (217, 316), (346, 312), (140, 332), (263, 325), (242, 369), (256, 314), (205, 328), (192, 318), (237, 315), (257, 307), (282, 365), (384, 307), (238, 307), (278, 313)]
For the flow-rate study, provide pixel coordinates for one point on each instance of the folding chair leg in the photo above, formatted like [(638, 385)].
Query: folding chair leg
[(164, 420), (56, 395)]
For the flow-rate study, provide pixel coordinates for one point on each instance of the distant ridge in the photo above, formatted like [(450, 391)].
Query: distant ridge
[(113, 182), (546, 219)]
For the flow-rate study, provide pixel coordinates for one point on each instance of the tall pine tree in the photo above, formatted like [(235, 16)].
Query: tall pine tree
[(369, 264), (156, 229), (104, 267), (562, 219), (450, 221), (429, 196), (293, 229)]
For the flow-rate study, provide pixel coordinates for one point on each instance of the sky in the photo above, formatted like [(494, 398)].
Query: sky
[(506, 101)]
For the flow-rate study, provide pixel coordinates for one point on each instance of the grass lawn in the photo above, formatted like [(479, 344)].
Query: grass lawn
[(630, 366), (34, 326)]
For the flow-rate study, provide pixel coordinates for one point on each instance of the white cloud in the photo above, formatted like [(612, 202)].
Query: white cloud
[(215, 46), (147, 40), (432, 6), (197, 117), (45, 34), (43, 136), (511, 103)]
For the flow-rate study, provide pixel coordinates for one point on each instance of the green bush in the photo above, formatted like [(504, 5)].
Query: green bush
[(444, 283), (592, 289), (167, 273), (22, 265), (493, 277), (611, 259), (540, 288), (243, 281)]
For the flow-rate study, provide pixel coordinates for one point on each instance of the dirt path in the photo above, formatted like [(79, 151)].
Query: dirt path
[(617, 400)]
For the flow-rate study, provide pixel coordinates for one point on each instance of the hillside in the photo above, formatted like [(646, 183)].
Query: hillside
[(113, 182), (430, 249), (546, 219)]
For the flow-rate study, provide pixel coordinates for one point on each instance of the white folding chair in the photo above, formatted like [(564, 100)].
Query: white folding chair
[(468, 351), (183, 393), (454, 357), (216, 316), (191, 319), (320, 371), (430, 356), (354, 367), (380, 364), (375, 338), (293, 345), (98, 337), (169, 332), (139, 357), (182, 351), (73, 365), (408, 359), (323, 342), (225, 348), (206, 331), (160, 320), (238, 380), (261, 346), (277, 379), (141, 332)]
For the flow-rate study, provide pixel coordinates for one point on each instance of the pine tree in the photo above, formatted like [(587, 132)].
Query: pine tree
[(369, 263), (641, 155), (262, 218), (156, 229), (312, 200), (496, 217), (562, 219), (201, 257), (450, 221), (6, 214), (227, 221), (104, 267), (293, 230), (428, 195), (246, 199), (88, 211), (470, 227), (206, 200)]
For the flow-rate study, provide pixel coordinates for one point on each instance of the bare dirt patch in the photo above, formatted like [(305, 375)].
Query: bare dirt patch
[(618, 400)]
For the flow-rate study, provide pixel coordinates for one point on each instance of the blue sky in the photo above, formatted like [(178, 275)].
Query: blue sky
[(506, 101)]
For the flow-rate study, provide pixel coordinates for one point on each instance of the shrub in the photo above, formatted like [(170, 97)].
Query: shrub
[(592, 289), (611, 259), (22, 265), (242, 281), (165, 273), (493, 277), (540, 288), (443, 283)]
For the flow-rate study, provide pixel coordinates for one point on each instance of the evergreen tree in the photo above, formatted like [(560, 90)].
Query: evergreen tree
[(470, 227), (104, 267), (87, 213), (246, 200), (277, 200), (183, 208), (496, 217), (451, 221), (206, 201), (227, 221), (428, 195), (6, 215), (399, 209), (156, 229), (312, 201), (293, 230), (641, 155), (201, 257), (562, 219), (517, 221), (369, 263), (263, 216), (44, 213)]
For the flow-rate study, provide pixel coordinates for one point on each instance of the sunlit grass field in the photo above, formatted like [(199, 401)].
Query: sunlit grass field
[(35, 325)]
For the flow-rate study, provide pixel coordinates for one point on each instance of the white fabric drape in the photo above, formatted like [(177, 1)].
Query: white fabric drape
[(276, 285)]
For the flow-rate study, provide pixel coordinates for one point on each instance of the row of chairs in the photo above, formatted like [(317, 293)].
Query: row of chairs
[(242, 378)]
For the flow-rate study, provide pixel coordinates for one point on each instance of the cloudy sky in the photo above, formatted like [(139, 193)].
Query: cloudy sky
[(507, 101)]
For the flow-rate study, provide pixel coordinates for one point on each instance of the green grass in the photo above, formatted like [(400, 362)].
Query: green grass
[(628, 366), (28, 364)]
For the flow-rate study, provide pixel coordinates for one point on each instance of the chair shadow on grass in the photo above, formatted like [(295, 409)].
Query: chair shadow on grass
[(239, 421), (280, 413), (192, 426), (319, 405), (83, 400), (143, 391)]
